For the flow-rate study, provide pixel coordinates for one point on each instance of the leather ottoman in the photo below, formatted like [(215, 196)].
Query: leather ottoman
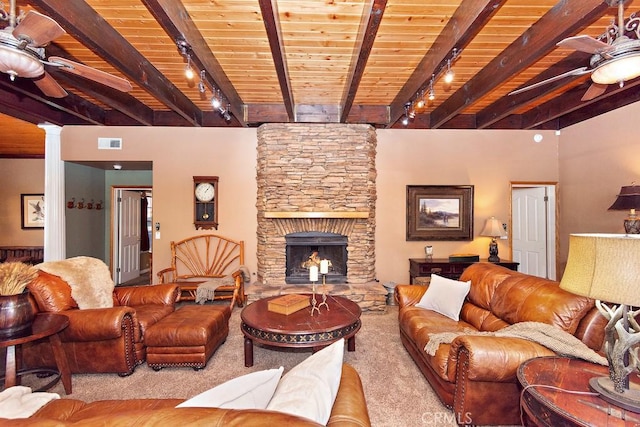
[(187, 337)]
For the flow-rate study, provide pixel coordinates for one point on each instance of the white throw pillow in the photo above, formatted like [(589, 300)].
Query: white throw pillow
[(310, 388), (445, 296), (250, 391)]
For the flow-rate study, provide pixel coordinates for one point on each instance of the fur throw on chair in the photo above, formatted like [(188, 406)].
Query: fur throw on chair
[(89, 278)]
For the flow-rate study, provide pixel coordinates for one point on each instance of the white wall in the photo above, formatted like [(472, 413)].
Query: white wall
[(488, 160), (596, 158)]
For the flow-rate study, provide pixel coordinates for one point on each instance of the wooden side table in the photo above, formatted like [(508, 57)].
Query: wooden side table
[(551, 407), (44, 325), (420, 267)]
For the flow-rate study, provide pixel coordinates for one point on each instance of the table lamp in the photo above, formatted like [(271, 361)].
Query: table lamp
[(606, 267), (493, 228), (629, 199)]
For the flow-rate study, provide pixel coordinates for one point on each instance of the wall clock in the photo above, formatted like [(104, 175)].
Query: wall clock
[(205, 202)]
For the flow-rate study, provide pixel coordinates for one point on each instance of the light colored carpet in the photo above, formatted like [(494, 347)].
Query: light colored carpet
[(396, 391)]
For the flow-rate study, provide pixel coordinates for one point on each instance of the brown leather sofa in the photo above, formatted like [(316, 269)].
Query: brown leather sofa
[(99, 340), (349, 409), (476, 375)]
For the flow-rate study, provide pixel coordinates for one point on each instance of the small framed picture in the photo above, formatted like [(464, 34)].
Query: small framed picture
[(439, 212), (32, 210)]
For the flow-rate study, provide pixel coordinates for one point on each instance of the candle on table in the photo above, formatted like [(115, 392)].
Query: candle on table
[(313, 273), (324, 266)]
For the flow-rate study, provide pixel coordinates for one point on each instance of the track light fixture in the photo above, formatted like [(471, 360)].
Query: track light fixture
[(188, 71), (445, 68), (408, 114), (420, 103), (218, 101), (432, 92), (201, 86), (448, 76)]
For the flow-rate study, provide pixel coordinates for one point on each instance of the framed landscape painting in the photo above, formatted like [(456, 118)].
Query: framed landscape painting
[(32, 210), (439, 212)]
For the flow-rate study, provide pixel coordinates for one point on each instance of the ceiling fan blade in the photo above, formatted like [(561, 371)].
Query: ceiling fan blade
[(37, 29), (595, 90), (49, 86), (577, 72), (91, 73), (584, 44)]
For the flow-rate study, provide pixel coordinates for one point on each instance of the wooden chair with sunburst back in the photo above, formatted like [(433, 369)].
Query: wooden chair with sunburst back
[(207, 263)]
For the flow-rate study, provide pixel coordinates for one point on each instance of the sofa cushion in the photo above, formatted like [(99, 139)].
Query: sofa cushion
[(445, 296), (418, 324), (250, 391), (148, 315), (52, 294), (309, 389), (525, 298)]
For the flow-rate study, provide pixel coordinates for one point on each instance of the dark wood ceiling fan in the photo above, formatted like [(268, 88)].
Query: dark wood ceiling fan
[(615, 56), (22, 53)]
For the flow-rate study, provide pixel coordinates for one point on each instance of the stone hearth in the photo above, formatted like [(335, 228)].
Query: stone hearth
[(317, 178)]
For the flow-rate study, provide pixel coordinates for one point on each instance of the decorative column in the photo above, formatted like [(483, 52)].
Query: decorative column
[(54, 197)]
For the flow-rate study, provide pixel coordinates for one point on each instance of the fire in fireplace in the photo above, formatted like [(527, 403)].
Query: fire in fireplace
[(308, 248)]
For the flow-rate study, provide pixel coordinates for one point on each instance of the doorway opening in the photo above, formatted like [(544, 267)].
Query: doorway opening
[(533, 227), (131, 240)]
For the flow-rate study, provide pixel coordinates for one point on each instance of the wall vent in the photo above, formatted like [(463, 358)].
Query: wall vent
[(109, 143)]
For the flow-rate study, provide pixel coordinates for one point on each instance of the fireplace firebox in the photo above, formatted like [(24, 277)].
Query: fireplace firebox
[(308, 248)]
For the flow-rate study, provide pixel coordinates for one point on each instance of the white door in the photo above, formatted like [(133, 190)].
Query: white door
[(129, 229), (529, 230)]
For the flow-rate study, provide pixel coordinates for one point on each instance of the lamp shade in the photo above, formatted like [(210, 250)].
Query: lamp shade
[(493, 228), (604, 267), (629, 198), (617, 70)]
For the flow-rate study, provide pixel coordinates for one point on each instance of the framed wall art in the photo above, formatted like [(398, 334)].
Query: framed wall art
[(32, 210), (439, 212)]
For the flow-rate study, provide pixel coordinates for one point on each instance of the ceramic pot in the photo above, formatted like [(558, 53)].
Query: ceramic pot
[(16, 315)]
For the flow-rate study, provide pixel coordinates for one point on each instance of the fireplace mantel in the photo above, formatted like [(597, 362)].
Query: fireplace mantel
[(283, 214)]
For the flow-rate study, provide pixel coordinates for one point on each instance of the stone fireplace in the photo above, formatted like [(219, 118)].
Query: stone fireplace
[(317, 181), (305, 249)]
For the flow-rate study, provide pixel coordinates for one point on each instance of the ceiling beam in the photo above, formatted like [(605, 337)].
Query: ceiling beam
[(117, 100), (24, 107), (70, 105), (174, 18), (90, 29), (366, 36), (563, 20), (506, 105), (467, 21), (274, 34), (570, 103), (613, 99)]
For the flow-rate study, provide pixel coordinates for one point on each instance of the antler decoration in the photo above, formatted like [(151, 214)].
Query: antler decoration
[(619, 341)]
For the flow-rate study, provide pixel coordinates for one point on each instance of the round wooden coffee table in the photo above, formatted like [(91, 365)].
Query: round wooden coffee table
[(300, 329)]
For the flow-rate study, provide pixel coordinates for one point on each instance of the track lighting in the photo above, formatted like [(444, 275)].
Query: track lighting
[(407, 114), (448, 76), (430, 93), (188, 71), (217, 98), (420, 100)]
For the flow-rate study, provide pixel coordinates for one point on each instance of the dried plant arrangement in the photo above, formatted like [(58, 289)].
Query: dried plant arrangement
[(15, 276)]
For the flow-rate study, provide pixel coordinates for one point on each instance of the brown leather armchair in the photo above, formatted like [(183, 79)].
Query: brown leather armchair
[(99, 340)]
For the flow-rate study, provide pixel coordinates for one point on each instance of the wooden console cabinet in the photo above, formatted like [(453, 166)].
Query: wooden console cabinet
[(420, 267)]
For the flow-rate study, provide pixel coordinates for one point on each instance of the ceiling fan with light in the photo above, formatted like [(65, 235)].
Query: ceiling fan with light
[(615, 56), (22, 53)]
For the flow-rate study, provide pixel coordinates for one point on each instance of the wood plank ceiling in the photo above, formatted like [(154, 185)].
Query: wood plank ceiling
[(318, 61)]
